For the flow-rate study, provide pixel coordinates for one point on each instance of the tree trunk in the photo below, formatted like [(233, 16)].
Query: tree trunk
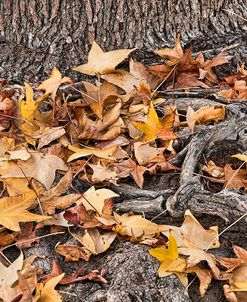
[(37, 35)]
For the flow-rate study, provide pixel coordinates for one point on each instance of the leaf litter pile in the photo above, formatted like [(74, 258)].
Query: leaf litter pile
[(118, 129)]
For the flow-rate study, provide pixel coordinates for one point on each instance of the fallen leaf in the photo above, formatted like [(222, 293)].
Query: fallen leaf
[(47, 292), (198, 255), (204, 115), (153, 128), (100, 62), (94, 199), (192, 234), (204, 276), (170, 261), (9, 274), (14, 210), (51, 85), (29, 107), (136, 225), (38, 166), (73, 252), (94, 242)]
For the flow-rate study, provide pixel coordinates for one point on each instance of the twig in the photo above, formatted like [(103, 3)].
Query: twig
[(33, 239)]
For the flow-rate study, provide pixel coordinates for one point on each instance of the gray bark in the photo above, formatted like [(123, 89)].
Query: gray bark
[(35, 35)]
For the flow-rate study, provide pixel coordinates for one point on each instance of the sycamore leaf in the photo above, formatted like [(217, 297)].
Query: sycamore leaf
[(198, 255), (205, 115), (192, 234), (51, 85), (232, 263), (144, 153), (174, 54), (136, 225), (73, 252), (47, 292), (100, 62), (93, 241), (129, 168), (95, 199), (153, 128), (97, 95), (16, 186), (6, 144), (9, 274), (38, 166), (14, 210), (204, 276), (83, 152), (29, 107), (170, 261), (234, 179)]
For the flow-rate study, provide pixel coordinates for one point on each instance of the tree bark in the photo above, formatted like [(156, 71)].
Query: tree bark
[(37, 35)]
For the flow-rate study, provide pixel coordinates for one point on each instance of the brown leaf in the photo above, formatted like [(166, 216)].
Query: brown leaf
[(39, 166), (73, 252)]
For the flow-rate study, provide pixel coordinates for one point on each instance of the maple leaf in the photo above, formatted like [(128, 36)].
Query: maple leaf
[(234, 179), (102, 173), (239, 91), (94, 242), (28, 106), (232, 263), (97, 95), (204, 115), (174, 54), (129, 168), (153, 128), (9, 274), (100, 62), (51, 85), (204, 276), (192, 234), (136, 225), (122, 79), (145, 153), (52, 199), (83, 152), (14, 210), (170, 261), (38, 166), (95, 199), (196, 256), (47, 292), (73, 252)]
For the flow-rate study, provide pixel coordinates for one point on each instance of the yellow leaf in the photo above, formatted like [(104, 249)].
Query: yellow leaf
[(240, 156), (239, 286), (100, 62), (153, 128), (170, 262), (51, 85), (47, 292), (82, 152), (14, 210), (16, 186), (136, 225), (29, 107)]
